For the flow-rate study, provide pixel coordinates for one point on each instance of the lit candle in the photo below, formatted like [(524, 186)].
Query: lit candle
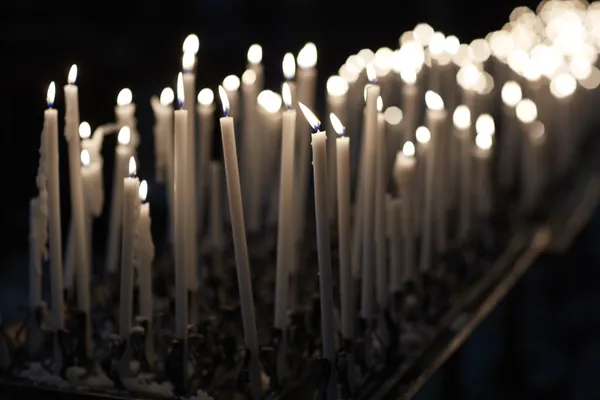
[(526, 112), (462, 129), (380, 210), (125, 115), (131, 213), (91, 177), (395, 134), (35, 254), (216, 210), (254, 57), (239, 243), (410, 101), (319, 150), (511, 95), (180, 153), (485, 130), (122, 154), (288, 66), (285, 233), (343, 209), (562, 88), (50, 147), (78, 213), (232, 84), (206, 109), (423, 137), (397, 272), (404, 171)]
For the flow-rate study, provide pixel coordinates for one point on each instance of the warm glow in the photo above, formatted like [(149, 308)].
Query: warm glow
[(379, 104), (526, 111), (348, 73), (224, 100), (383, 61), (337, 125), (286, 95), (124, 97), (180, 90), (72, 77), (423, 33), (468, 76), (85, 157), (480, 48), (365, 56), (511, 93), (437, 43), (188, 60), (337, 86), (563, 85), (191, 44), (463, 56), (412, 55), (248, 77), (485, 125), (423, 135), (433, 100), (51, 94), (501, 44), (167, 96), (307, 57), (85, 130), (483, 141), (124, 136), (355, 64), (517, 59), (408, 75), (310, 117), (269, 101), (451, 44), (462, 117), (288, 66), (592, 81), (143, 190), (231, 83), (580, 67), (537, 130), (393, 115), (206, 97), (408, 149), (531, 71), (371, 73), (255, 54), (132, 166)]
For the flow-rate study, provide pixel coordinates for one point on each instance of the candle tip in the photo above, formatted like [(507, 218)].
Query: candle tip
[(526, 111), (337, 125), (72, 77), (462, 117), (124, 97), (423, 135), (132, 166), (224, 100), (85, 130), (206, 97), (191, 44), (231, 83), (485, 125), (286, 94), (51, 94), (310, 117), (255, 54), (167, 96), (143, 191), (180, 91), (188, 60), (433, 100), (379, 104), (337, 86), (124, 136), (269, 101), (371, 73), (289, 66), (85, 157), (408, 149), (307, 57), (483, 141), (511, 93)]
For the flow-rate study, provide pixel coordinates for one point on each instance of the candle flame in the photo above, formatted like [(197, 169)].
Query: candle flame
[(255, 54), (393, 115), (286, 94), (408, 75), (379, 104), (433, 100), (248, 77), (269, 101), (451, 44), (224, 100), (337, 86), (51, 94), (537, 130), (180, 91), (191, 44), (72, 77), (124, 136), (188, 60), (480, 49), (307, 56), (511, 93), (526, 111), (423, 33), (408, 149), (423, 135), (288, 66), (437, 44), (143, 190), (462, 117), (563, 85), (337, 125), (310, 117), (206, 97), (231, 83), (85, 130), (485, 125), (85, 157), (371, 73), (167, 96), (483, 141), (132, 166), (124, 97)]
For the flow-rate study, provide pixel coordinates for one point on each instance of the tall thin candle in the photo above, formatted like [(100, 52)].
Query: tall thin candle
[(125, 114), (462, 124), (206, 110)]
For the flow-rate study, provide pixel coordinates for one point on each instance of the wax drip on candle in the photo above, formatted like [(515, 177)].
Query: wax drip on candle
[(310, 117), (167, 96), (288, 66), (286, 95), (462, 117), (206, 97), (433, 101), (191, 44), (423, 135), (124, 97), (188, 60), (85, 130), (511, 93), (485, 125), (337, 125), (180, 90), (132, 168), (51, 94), (72, 77), (224, 101), (231, 83), (269, 101), (526, 111), (307, 56), (255, 54)]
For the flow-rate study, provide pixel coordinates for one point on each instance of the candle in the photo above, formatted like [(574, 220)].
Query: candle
[(393, 213), (511, 95), (462, 129), (78, 213), (231, 84), (122, 154), (337, 89), (404, 171), (285, 233), (380, 210), (369, 188), (125, 115), (526, 112), (343, 189), (319, 153), (254, 57), (181, 285), (410, 101), (216, 211), (423, 137), (395, 134), (91, 177), (191, 44), (485, 129), (288, 67), (239, 243), (50, 148), (206, 109), (562, 88), (131, 204), (35, 253)]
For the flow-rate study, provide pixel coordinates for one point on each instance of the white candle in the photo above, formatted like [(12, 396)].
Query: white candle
[(35, 254), (423, 137), (285, 232), (380, 211), (410, 101), (482, 156), (393, 212), (511, 95), (91, 177), (216, 211), (131, 204), (232, 84), (239, 242), (562, 89), (50, 140), (395, 135), (319, 153), (462, 131), (526, 112), (125, 116), (206, 110), (254, 57), (404, 171), (369, 188), (343, 209), (78, 212), (181, 285), (122, 154)]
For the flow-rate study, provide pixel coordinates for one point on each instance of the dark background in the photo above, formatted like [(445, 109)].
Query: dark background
[(540, 343)]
